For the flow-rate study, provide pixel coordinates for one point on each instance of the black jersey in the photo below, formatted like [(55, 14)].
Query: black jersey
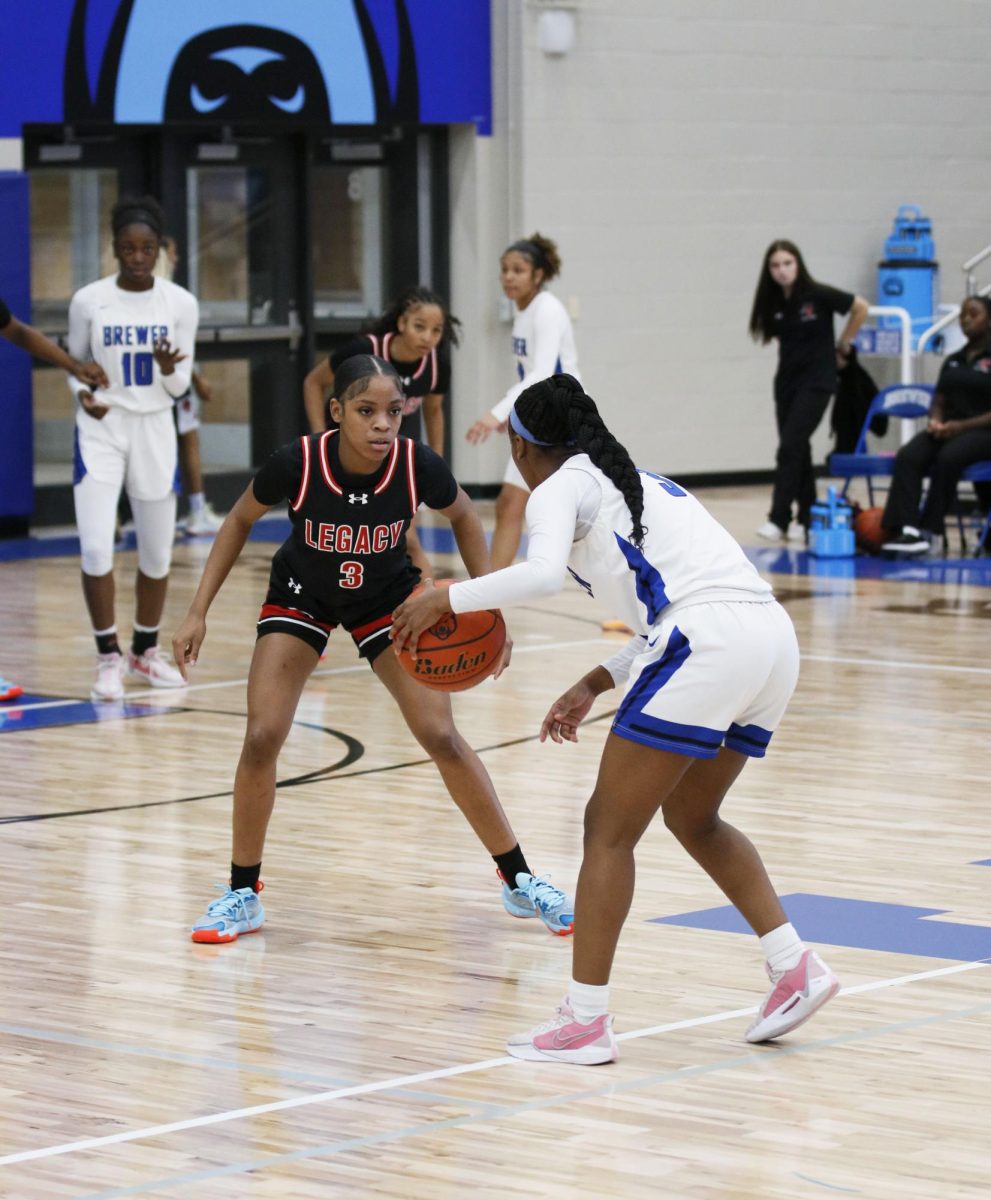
[(348, 541), (4, 315), (421, 377), (804, 329), (965, 385)]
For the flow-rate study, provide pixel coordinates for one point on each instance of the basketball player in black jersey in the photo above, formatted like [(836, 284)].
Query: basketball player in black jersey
[(352, 493)]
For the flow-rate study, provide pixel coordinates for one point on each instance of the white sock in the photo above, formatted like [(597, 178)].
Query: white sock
[(588, 1001), (783, 948), (196, 501)]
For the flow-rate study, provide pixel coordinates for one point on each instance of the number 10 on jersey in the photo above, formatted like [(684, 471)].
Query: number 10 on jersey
[(138, 368)]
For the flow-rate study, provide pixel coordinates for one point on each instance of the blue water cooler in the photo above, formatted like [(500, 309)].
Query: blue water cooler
[(831, 530), (908, 277)]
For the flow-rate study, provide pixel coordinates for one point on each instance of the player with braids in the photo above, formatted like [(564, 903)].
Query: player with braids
[(352, 492), (707, 677)]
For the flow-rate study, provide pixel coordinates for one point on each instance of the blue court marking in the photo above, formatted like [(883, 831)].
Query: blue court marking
[(21, 715), (981, 862), (778, 560), (860, 924)]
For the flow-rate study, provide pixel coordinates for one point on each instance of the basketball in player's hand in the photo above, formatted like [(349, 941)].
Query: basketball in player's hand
[(460, 650)]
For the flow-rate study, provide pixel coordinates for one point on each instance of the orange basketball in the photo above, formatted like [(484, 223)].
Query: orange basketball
[(869, 531), (459, 651)]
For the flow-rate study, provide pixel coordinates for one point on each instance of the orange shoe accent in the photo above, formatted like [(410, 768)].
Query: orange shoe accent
[(10, 691)]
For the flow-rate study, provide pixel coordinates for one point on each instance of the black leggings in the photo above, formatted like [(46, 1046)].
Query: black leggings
[(798, 411), (943, 462)]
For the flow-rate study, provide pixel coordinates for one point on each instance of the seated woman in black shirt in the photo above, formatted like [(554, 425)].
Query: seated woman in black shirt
[(958, 434)]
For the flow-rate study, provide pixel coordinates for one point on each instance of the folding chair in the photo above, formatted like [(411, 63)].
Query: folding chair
[(979, 472), (901, 400)]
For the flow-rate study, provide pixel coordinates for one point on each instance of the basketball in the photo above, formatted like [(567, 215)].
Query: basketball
[(459, 651), (869, 531)]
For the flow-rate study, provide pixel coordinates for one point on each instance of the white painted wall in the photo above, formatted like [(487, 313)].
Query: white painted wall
[(668, 148)]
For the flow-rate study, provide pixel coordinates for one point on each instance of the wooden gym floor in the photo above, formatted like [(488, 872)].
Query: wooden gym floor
[(354, 1047)]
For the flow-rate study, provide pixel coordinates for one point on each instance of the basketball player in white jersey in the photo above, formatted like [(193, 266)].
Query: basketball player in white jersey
[(543, 345), (141, 330), (708, 675)]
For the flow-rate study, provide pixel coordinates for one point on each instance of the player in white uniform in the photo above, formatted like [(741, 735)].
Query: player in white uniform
[(543, 345), (708, 675), (141, 330)]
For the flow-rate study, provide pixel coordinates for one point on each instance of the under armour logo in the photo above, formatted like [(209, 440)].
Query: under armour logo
[(357, 497), (295, 587)]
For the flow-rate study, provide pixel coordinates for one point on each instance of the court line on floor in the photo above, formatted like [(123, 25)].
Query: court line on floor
[(157, 693), (898, 664), (428, 1128), (410, 1081)]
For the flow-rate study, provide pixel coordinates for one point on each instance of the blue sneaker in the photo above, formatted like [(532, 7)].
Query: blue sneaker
[(533, 896), (231, 915)]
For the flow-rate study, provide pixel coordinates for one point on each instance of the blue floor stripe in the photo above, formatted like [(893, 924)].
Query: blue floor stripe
[(23, 714)]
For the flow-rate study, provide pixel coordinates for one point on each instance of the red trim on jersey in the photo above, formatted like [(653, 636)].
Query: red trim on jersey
[(434, 370), (414, 498), (373, 338), (305, 481), (362, 631), (328, 476), (387, 341), (295, 614), (393, 459)]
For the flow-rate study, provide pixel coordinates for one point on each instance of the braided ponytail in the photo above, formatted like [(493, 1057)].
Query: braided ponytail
[(559, 412)]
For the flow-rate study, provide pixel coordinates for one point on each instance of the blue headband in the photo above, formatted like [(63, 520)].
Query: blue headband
[(518, 427)]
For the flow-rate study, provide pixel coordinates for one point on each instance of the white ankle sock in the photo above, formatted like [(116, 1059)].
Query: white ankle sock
[(588, 1000), (196, 501), (782, 947)]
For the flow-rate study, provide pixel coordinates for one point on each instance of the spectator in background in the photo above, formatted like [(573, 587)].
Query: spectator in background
[(791, 307), (958, 434), (91, 374)]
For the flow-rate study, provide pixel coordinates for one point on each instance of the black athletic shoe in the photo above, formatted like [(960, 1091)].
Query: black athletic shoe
[(909, 541)]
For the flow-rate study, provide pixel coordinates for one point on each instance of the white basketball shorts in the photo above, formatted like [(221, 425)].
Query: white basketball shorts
[(713, 674), (187, 412), (136, 451)]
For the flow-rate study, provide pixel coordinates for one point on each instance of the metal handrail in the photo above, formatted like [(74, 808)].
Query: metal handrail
[(946, 319), (968, 269)]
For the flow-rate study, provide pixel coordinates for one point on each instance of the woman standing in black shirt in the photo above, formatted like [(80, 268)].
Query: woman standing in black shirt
[(958, 434), (790, 306)]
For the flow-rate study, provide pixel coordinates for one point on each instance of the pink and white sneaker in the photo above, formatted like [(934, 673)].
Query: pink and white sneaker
[(154, 668), (795, 996), (563, 1039), (109, 682)]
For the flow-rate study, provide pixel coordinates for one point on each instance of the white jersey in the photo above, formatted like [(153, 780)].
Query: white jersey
[(118, 329), (543, 345), (579, 523)]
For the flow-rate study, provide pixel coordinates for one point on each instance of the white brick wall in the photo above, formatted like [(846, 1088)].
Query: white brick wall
[(676, 140)]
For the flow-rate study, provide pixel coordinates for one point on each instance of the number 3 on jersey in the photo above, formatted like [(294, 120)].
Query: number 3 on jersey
[(352, 574), (138, 368)]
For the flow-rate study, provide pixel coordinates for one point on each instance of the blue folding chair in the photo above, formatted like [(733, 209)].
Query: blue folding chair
[(900, 400), (976, 473)]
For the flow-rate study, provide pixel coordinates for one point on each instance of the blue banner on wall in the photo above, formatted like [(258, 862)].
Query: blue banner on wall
[(314, 62)]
